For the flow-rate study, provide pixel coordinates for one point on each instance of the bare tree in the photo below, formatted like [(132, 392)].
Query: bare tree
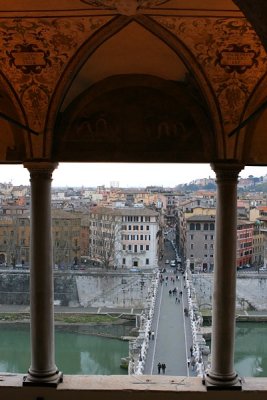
[(106, 242)]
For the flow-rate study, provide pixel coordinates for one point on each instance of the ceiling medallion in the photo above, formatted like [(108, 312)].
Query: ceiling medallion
[(124, 7)]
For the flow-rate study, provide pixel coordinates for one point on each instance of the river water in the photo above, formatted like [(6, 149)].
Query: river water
[(81, 353), (251, 349), (76, 352)]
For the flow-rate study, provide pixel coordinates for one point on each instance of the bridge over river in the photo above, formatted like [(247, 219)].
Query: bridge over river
[(174, 332), (173, 336)]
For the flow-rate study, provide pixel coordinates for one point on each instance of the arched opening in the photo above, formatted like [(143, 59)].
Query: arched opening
[(135, 118)]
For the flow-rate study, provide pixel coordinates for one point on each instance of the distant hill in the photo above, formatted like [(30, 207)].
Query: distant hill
[(262, 187)]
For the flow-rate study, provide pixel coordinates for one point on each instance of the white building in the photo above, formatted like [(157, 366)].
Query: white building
[(124, 237)]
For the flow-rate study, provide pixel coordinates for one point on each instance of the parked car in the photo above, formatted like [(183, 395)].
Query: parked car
[(134, 269), (173, 264), (22, 266), (167, 262)]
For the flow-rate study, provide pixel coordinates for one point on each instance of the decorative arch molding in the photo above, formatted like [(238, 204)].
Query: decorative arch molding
[(251, 136), (15, 143), (179, 48), (135, 118)]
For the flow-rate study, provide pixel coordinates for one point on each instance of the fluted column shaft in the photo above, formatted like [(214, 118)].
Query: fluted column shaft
[(222, 371)]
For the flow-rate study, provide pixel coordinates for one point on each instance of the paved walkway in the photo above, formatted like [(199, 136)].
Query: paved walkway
[(173, 336)]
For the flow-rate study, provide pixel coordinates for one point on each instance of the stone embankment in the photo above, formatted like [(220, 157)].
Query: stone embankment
[(76, 289), (251, 292)]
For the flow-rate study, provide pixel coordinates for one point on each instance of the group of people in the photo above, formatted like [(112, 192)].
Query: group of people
[(161, 366)]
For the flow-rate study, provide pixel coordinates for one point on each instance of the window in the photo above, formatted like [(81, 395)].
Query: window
[(130, 247), (147, 227), (198, 227), (135, 248), (124, 261), (147, 261), (192, 246), (147, 246), (141, 247), (206, 227), (212, 227), (192, 227)]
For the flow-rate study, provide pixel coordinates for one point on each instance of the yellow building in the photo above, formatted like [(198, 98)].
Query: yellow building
[(15, 238)]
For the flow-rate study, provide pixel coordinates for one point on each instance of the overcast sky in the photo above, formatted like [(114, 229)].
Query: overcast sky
[(125, 174)]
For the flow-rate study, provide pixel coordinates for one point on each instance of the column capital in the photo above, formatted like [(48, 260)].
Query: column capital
[(41, 168), (227, 171)]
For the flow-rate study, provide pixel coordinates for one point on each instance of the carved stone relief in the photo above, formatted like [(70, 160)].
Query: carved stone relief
[(229, 52), (34, 53)]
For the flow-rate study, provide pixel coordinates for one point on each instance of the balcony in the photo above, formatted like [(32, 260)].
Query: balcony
[(135, 252)]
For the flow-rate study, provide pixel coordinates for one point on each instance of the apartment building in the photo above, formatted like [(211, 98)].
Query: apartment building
[(8, 241), (200, 233), (200, 236), (15, 238), (124, 237)]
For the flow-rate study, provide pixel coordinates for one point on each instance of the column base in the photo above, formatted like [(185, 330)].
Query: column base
[(217, 383), (44, 381)]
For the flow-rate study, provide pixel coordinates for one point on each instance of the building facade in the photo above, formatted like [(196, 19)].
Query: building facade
[(200, 242), (125, 237), (244, 248), (15, 239)]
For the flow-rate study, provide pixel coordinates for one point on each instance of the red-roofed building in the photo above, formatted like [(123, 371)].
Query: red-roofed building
[(244, 248)]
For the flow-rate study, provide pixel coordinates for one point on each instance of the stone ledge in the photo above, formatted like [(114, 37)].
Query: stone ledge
[(145, 387)]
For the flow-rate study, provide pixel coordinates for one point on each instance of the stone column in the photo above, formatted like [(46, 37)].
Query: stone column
[(222, 374), (43, 371)]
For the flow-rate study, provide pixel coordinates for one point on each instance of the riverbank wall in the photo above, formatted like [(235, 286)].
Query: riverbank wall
[(125, 290), (78, 289), (251, 291)]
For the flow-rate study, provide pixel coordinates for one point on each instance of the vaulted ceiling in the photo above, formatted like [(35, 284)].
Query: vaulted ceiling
[(129, 80)]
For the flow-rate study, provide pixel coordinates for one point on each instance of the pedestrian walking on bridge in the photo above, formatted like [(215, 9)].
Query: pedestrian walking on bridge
[(191, 350), (163, 366), (159, 367)]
